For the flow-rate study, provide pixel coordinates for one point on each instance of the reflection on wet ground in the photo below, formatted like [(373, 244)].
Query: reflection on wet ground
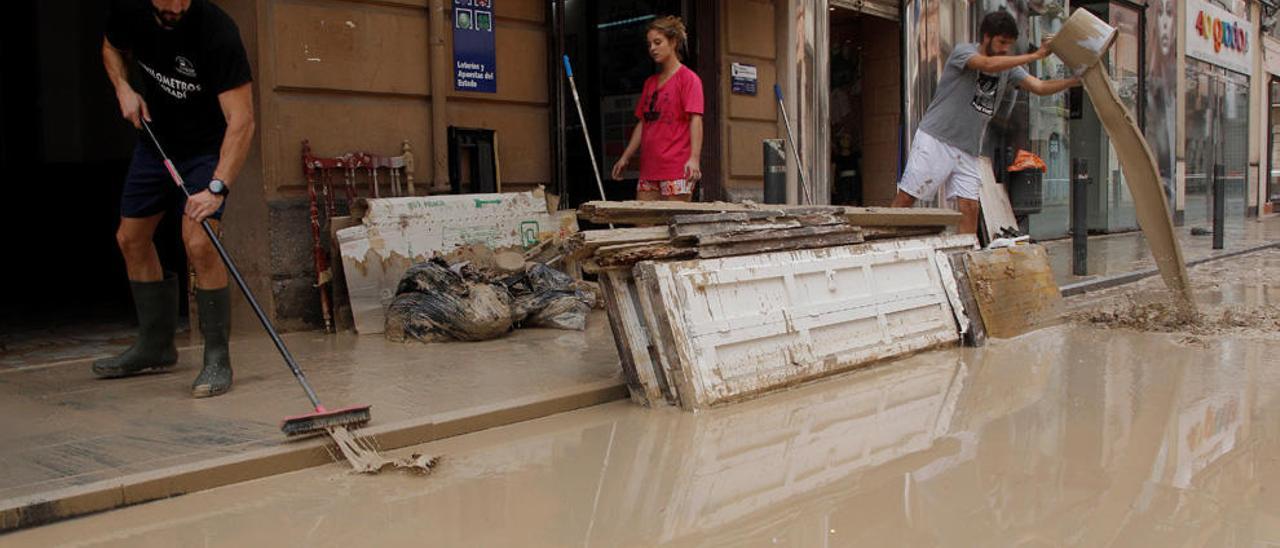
[(1070, 435)]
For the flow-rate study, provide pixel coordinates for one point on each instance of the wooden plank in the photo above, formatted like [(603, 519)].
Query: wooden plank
[(661, 345), (702, 229), (977, 333), (871, 233), (997, 213), (902, 216), (662, 212), (822, 219), (768, 214), (776, 234), (1014, 289), (728, 217), (767, 246), (584, 244), (629, 337), (664, 311), (629, 254)]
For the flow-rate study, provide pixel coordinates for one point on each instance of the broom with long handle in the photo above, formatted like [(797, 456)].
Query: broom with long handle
[(321, 419), (586, 136), (791, 140)]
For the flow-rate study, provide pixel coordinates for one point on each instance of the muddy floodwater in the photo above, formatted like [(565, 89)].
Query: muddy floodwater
[(1077, 434)]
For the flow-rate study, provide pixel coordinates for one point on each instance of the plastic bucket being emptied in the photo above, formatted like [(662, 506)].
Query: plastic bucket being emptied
[(1082, 40)]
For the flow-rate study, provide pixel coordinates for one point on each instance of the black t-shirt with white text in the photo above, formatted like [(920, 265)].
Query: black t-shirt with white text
[(183, 70)]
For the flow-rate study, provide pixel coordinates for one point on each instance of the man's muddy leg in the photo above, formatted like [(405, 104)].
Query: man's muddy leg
[(213, 305), (902, 199), (155, 298), (135, 236)]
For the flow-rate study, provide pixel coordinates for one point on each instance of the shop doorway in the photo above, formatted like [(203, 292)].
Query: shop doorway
[(1217, 134), (605, 39), (1111, 207), (65, 151), (866, 107)]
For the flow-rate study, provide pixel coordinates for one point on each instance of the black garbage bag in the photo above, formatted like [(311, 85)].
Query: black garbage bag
[(435, 303), (545, 297)]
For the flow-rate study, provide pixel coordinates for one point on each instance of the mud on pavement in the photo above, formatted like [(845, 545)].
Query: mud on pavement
[(1233, 295)]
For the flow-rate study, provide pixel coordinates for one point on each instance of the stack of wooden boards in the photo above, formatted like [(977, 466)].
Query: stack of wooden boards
[(710, 230), (718, 302)]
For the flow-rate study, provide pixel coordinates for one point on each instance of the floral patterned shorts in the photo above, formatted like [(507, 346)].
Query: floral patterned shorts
[(674, 187)]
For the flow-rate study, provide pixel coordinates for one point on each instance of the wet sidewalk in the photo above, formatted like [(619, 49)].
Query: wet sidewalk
[(1067, 436), (91, 443), (1117, 254)]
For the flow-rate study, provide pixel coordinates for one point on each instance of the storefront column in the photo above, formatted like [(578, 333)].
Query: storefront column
[(1270, 117), (1258, 98), (805, 92), (1180, 139)]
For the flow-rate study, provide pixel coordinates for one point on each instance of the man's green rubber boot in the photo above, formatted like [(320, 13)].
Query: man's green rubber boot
[(157, 306), (214, 307)]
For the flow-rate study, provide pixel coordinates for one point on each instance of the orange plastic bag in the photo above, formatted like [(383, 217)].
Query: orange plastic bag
[(1026, 160)]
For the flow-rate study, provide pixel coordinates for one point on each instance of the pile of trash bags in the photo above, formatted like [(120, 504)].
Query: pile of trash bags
[(437, 301)]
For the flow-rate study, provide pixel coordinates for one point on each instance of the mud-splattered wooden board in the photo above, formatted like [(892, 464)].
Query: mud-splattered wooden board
[(997, 213), (1014, 288)]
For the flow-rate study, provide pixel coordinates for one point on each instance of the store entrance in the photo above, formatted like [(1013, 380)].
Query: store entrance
[(866, 107), (605, 39), (1217, 134)]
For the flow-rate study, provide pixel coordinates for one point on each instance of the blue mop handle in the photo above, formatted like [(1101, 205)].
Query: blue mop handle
[(567, 67), (777, 90)]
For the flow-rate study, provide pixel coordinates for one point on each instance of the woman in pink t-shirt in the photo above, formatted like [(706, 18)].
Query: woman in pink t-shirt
[(669, 120)]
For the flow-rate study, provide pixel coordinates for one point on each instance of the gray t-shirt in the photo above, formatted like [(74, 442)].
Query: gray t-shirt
[(965, 100)]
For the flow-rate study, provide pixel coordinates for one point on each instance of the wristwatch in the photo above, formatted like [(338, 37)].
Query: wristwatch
[(218, 187)]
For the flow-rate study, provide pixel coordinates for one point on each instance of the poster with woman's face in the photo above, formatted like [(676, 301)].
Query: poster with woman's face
[(1161, 105)]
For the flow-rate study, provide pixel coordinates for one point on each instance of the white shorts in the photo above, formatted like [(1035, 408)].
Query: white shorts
[(932, 163)]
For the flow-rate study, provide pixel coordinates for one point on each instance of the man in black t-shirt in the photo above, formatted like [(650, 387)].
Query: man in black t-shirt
[(198, 98)]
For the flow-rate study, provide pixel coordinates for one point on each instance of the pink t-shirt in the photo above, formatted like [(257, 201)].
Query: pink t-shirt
[(665, 111)]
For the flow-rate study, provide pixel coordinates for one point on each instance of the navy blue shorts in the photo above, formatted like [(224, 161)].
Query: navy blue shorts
[(149, 190)]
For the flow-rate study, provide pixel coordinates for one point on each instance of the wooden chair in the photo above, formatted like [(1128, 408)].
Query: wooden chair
[(327, 177)]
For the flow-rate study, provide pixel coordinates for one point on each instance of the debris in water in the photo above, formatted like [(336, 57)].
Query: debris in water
[(1168, 317), (1163, 317), (364, 458)]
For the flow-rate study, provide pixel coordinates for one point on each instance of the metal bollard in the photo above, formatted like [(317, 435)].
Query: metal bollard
[(1080, 216), (1219, 205), (775, 172)]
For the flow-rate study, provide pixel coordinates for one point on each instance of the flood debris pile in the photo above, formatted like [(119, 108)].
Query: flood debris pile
[(682, 230), (476, 294), (1130, 312), (711, 303)]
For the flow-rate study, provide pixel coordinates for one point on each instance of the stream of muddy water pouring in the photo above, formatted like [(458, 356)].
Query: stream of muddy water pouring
[(364, 457), (1081, 44)]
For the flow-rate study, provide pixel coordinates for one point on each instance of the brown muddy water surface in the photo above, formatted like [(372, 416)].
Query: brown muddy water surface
[(1071, 435)]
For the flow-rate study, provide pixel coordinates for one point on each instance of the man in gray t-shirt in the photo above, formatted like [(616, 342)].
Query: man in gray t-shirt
[(946, 145)]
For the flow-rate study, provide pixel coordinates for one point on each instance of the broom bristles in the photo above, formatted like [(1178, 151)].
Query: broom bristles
[(319, 423)]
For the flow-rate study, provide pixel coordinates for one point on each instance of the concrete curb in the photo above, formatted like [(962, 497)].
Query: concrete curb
[(1107, 282), (45, 508)]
